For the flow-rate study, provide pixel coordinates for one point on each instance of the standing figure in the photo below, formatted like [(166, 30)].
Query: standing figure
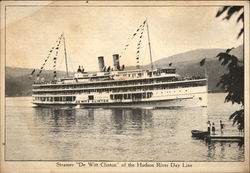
[(221, 127), (208, 127), (213, 129)]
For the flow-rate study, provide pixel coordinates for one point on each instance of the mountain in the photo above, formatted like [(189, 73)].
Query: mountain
[(18, 82), (188, 64)]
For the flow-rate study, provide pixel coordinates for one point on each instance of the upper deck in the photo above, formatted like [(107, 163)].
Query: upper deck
[(113, 76)]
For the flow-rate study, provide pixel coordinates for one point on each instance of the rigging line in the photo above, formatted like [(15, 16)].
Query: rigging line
[(70, 64), (131, 38), (49, 55)]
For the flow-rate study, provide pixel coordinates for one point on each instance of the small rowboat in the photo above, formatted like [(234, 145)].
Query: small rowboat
[(199, 134)]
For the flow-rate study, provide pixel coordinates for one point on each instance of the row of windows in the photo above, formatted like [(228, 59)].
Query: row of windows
[(131, 96), (126, 89), (56, 99), (116, 83)]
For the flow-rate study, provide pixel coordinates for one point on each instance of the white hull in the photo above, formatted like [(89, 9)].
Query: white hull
[(178, 97)]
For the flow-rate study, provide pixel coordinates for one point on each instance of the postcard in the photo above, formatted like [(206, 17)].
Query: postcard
[(124, 86)]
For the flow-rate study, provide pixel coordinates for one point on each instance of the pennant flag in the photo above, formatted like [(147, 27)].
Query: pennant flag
[(33, 72), (202, 62)]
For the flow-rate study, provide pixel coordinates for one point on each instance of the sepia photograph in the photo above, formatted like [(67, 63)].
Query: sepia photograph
[(116, 85)]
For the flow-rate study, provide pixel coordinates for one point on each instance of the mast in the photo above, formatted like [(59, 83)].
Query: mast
[(65, 54), (149, 45)]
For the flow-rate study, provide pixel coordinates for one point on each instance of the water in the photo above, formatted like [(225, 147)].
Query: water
[(116, 134)]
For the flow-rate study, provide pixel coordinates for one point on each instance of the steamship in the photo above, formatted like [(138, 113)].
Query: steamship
[(119, 87)]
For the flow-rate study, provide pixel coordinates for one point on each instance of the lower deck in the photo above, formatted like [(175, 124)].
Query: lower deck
[(159, 98)]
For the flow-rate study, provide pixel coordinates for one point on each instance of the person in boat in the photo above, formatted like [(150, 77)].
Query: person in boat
[(213, 129), (221, 127), (208, 127)]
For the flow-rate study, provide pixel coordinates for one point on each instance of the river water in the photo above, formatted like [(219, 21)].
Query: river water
[(34, 133)]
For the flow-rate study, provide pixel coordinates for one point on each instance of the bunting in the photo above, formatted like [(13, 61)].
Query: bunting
[(49, 55), (140, 29), (139, 45)]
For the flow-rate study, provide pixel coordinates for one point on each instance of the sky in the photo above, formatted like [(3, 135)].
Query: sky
[(94, 31)]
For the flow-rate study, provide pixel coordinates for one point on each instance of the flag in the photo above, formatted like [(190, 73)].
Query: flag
[(33, 72), (202, 62)]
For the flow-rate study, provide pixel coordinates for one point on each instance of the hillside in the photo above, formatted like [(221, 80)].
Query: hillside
[(18, 83)]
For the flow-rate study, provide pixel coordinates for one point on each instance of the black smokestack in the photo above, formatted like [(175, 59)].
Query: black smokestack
[(101, 63), (116, 61)]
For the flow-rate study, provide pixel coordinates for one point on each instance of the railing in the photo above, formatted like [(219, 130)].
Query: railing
[(134, 90), (116, 85)]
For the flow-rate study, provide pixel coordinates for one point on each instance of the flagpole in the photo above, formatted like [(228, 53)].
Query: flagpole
[(65, 53), (149, 44)]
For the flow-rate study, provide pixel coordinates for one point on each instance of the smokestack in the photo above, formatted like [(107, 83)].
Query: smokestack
[(116, 61), (101, 63)]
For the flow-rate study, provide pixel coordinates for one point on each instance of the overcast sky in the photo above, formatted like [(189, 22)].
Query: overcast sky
[(94, 31)]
